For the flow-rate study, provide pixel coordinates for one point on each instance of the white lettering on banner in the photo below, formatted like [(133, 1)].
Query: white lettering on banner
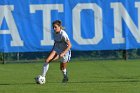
[(77, 21), (121, 13), (46, 9), (6, 12)]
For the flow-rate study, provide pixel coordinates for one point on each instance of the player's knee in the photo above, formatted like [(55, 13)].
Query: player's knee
[(47, 60)]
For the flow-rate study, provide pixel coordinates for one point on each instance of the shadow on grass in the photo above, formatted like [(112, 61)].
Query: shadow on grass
[(7, 84), (117, 81), (121, 81), (75, 82)]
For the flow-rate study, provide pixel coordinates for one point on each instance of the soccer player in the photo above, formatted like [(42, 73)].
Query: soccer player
[(61, 50)]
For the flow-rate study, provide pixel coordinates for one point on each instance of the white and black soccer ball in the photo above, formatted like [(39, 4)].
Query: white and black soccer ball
[(40, 79)]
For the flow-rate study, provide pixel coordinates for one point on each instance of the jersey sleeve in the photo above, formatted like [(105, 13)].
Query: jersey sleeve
[(65, 37)]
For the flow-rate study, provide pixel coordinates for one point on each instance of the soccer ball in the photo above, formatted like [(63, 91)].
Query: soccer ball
[(40, 79)]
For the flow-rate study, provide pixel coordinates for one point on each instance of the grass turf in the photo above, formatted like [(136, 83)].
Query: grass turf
[(102, 76)]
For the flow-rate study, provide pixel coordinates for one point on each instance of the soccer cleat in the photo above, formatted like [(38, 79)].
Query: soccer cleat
[(65, 79)]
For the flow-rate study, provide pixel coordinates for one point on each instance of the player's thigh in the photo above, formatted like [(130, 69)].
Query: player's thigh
[(66, 57), (55, 57), (51, 56)]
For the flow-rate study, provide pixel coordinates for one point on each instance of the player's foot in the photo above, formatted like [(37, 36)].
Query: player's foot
[(65, 79)]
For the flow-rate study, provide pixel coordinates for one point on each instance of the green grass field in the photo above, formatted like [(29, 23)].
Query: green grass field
[(100, 76)]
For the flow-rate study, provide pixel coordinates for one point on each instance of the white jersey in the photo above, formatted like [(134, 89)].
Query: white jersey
[(60, 41)]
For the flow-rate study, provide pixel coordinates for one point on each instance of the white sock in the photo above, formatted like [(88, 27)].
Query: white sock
[(45, 69), (64, 71)]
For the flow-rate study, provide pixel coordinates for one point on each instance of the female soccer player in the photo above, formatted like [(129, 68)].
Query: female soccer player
[(61, 50)]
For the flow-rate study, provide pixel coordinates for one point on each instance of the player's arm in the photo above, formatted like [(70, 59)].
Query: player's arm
[(68, 48)]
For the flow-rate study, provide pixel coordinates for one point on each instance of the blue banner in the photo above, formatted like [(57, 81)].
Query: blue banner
[(25, 25)]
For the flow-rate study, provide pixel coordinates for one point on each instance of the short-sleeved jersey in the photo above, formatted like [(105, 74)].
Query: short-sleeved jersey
[(60, 39)]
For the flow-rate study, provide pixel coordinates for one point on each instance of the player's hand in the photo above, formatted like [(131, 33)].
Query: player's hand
[(62, 54)]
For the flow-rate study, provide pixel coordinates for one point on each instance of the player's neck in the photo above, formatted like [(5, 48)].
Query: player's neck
[(58, 32)]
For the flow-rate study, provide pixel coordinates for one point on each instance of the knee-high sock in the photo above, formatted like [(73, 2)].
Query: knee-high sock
[(64, 71), (45, 69)]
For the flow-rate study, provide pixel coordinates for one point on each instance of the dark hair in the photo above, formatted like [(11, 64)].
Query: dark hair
[(57, 22)]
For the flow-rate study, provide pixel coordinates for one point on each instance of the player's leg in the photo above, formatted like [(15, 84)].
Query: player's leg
[(63, 65), (53, 56), (63, 68)]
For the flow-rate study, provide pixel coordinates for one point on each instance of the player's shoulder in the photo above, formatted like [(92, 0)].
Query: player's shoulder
[(63, 32)]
